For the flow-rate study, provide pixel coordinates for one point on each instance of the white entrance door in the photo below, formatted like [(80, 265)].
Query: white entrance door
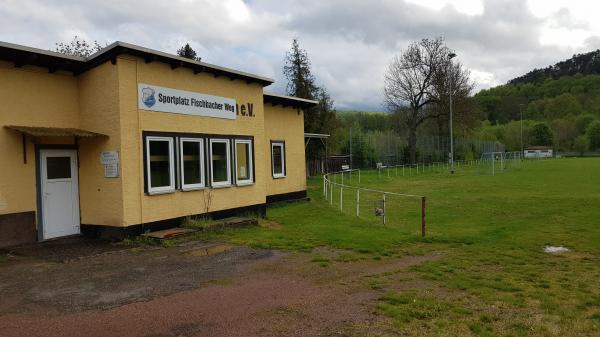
[(59, 192)]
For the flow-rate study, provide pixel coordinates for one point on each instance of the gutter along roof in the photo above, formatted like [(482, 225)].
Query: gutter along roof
[(53, 61), (286, 101)]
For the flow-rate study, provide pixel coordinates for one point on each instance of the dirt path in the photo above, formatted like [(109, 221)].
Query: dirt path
[(237, 291)]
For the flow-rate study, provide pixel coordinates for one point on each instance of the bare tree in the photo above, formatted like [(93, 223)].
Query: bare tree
[(409, 84), (453, 77), (78, 47)]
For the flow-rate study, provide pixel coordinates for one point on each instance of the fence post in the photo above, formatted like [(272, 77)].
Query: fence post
[(384, 210), (357, 202), (388, 171), (331, 192), (324, 188), (341, 197), (359, 176), (423, 219)]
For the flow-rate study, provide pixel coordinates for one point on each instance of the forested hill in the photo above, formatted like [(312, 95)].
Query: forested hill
[(548, 100), (586, 64), (564, 98)]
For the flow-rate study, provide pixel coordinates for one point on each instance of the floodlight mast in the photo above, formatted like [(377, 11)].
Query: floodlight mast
[(521, 111), (450, 57)]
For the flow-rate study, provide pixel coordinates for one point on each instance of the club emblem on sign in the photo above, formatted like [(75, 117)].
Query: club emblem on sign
[(148, 97)]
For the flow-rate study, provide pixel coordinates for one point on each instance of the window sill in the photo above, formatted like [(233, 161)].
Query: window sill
[(221, 186), (161, 192), (241, 184), (190, 189), (278, 177)]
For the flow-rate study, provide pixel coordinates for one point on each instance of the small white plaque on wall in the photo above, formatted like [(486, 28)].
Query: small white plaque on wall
[(110, 160)]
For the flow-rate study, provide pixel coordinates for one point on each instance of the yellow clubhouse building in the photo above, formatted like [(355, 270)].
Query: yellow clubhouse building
[(132, 139)]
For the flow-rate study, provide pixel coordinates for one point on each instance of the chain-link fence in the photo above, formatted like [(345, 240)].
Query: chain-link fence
[(424, 168), (492, 163)]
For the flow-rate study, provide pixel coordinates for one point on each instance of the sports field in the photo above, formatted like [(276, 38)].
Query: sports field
[(490, 276)]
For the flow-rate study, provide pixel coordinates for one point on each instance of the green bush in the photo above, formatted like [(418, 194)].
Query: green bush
[(593, 135), (542, 135), (581, 144)]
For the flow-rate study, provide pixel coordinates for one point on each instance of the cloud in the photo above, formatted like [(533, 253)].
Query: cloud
[(349, 42)]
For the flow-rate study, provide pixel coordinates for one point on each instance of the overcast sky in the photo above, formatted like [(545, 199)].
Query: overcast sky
[(350, 42)]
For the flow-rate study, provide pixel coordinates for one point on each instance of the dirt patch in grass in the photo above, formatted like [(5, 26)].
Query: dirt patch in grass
[(111, 280), (156, 291)]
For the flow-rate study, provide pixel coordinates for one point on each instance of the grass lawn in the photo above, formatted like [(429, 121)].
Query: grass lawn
[(494, 278)]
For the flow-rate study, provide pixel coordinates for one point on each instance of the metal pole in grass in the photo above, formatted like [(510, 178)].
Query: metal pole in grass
[(341, 198), (403, 170), (423, 219), (357, 202), (359, 177), (450, 57)]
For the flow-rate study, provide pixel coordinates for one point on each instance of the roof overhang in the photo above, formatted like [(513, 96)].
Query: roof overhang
[(22, 55), (53, 61), (288, 101), (38, 131), (316, 135)]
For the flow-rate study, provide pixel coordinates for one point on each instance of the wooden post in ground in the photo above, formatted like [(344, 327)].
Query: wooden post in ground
[(423, 220), (384, 210)]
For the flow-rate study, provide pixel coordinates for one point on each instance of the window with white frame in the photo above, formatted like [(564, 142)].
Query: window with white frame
[(160, 164), (220, 162), (278, 159), (191, 162), (243, 162)]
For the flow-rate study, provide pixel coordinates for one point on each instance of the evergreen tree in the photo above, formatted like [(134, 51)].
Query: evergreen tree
[(188, 52), (301, 83)]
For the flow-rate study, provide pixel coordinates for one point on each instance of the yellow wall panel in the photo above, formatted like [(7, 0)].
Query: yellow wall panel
[(286, 124)]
